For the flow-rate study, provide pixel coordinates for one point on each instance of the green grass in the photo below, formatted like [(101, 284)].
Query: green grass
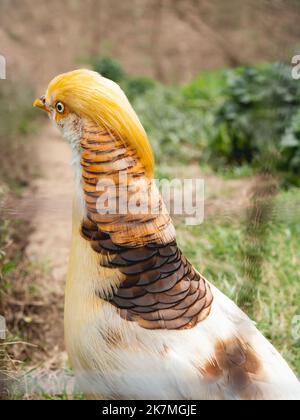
[(217, 249)]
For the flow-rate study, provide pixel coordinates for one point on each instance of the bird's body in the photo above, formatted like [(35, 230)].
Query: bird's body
[(140, 321), (115, 359)]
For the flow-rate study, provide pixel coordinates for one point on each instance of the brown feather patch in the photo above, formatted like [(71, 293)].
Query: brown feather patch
[(236, 361)]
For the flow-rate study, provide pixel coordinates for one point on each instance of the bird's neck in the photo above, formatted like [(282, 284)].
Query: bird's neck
[(103, 155), (115, 192), (108, 164), (99, 155)]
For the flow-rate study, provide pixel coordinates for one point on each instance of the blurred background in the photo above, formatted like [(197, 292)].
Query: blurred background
[(212, 83)]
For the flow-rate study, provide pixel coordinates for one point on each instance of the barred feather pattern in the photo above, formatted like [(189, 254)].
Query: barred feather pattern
[(109, 161), (160, 288)]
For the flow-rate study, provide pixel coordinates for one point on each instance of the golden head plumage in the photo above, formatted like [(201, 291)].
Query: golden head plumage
[(88, 94)]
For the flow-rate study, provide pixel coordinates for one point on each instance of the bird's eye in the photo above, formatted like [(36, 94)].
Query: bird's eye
[(60, 107)]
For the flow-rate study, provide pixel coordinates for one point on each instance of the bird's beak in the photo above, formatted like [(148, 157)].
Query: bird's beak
[(40, 103)]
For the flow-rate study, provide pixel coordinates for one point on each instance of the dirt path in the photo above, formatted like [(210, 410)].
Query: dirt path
[(49, 242)]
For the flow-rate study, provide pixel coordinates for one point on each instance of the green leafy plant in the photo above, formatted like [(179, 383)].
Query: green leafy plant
[(175, 128), (138, 86), (110, 68), (207, 88), (253, 122), (290, 150)]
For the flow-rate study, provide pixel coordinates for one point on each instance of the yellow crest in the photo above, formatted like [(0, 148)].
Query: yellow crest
[(89, 94)]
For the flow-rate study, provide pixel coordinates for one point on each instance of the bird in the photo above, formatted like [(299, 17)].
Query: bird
[(140, 321)]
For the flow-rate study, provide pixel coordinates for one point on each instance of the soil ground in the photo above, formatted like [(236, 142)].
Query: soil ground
[(49, 242)]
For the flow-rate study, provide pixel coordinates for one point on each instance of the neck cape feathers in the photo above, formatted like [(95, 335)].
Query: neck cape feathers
[(154, 284), (102, 101), (120, 199)]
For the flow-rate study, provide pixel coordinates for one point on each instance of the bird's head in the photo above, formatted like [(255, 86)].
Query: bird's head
[(74, 97)]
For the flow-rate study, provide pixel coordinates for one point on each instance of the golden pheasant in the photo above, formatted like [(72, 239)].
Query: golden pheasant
[(140, 321)]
